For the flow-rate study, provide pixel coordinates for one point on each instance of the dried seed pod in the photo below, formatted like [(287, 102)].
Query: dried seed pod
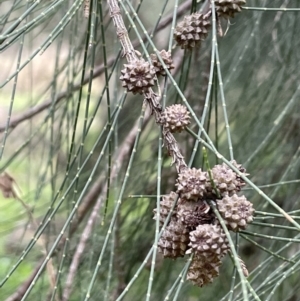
[(208, 240), (167, 59), (175, 118), (138, 76), (228, 8), (194, 213), (236, 211), (174, 240), (226, 181), (191, 183), (203, 270), (166, 205), (192, 30)]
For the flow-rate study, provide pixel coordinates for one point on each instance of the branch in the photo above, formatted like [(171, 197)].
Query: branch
[(80, 249), (149, 95)]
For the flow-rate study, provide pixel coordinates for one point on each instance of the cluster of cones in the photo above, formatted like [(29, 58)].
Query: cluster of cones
[(194, 28), (193, 227)]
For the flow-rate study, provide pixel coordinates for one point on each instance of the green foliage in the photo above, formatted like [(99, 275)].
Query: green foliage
[(89, 161)]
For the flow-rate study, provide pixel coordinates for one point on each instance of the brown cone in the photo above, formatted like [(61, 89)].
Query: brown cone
[(226, 180), (175, 118), (236, 211), (191, 183), (194, 213), (228, 8), (138, 76), (208, 240), (174, 240), (166, 205), (167, 59), (192, 30), (203, 270)]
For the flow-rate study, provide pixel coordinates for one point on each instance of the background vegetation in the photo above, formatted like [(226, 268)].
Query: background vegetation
[(80, 158)]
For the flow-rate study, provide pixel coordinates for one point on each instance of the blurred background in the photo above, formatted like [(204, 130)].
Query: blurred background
[(82, 165)]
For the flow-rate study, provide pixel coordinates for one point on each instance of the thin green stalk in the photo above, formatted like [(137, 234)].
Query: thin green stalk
[(274, 226), (148, 255), (247, 47), (270, 9), (16, 31), (276, 184), (12, 97), (52, 211), (55, 32), (108, 106), (222, 94), (271, 237), (262, 267), (206, 104), (156, 238), (117, 207), (182, 279), (178, 279), (11, 28), (233, 277), (281, 279), (173, 25), (233, 251), (269, 214), (276, 124), (266, 250)]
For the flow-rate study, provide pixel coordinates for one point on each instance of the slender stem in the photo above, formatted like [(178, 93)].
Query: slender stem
[(233, 251), (270, 9)]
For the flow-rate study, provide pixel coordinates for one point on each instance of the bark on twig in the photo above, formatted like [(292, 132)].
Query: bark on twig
[(150, 96)]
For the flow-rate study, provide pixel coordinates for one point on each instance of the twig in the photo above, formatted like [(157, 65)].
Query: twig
[(80, 249), (150, 96)]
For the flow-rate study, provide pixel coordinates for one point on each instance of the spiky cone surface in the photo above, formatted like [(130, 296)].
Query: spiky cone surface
[(138, 76), (166, 205), (167, 59), (194, 213), (174, 240), (209, 241), (175, 118), (191, 183), (226, 181), (228, 8), (192, 30), (236, 211), (203, 270)]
